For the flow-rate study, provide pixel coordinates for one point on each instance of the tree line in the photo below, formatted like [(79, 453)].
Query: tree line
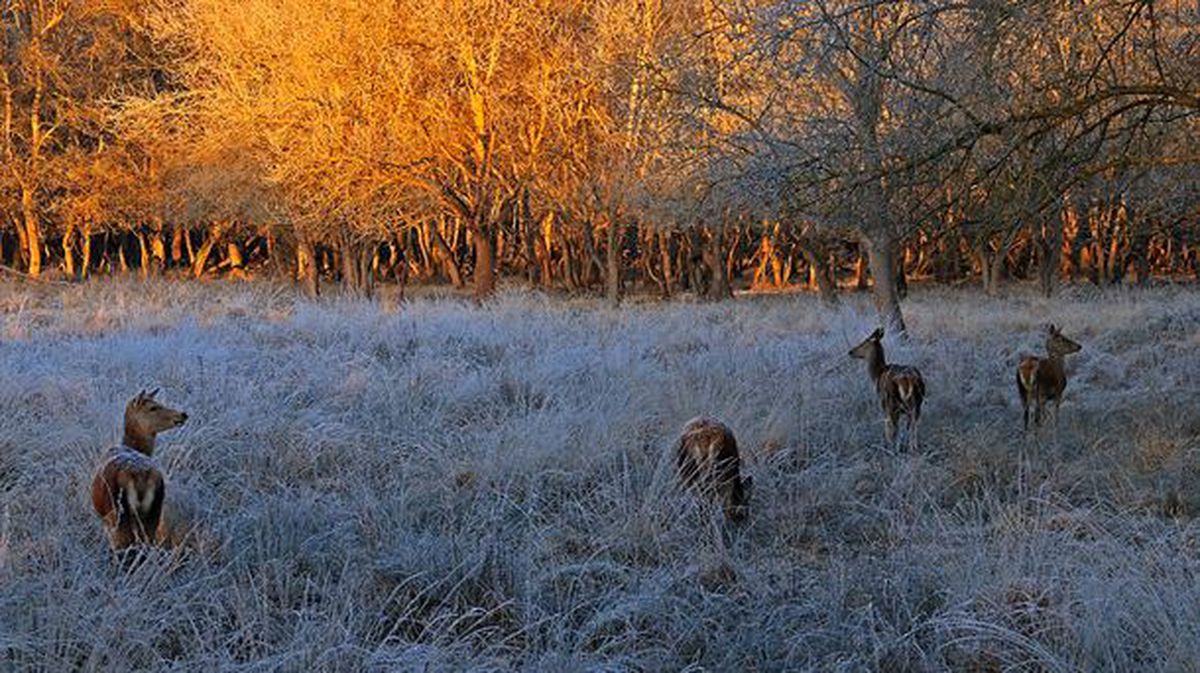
[(603, 145)]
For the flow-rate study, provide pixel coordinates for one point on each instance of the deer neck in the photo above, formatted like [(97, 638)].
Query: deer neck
[(138, 439), (875, 362), (1055, 361)]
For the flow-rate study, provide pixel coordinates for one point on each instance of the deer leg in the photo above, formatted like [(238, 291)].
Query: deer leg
[(1025, 410), (120, 537), (913, 420), (889, 430), (152, 517), (123, 533)]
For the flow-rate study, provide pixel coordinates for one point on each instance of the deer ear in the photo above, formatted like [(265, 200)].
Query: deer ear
[(877, 334), (152, 394)]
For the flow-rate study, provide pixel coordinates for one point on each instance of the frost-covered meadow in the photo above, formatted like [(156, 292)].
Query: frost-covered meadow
[(447, 487)]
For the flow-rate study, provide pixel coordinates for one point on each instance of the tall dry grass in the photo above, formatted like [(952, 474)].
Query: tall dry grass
[(457, 488)]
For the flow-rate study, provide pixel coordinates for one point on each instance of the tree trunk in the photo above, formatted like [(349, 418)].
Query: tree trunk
[(664, 253), (767, 261), (499, 249), (612, 275), (348, 251), (485, 263), (188, 245), (143, 255), (449, 262), (426, 262), (877, 231), (996, 268), (85, 263), (366, 269), (529, 235), (1049, 255), (901, 275), (306, 267), (122, 262), (1139, 250), (177, 232), (33, 237), (881, 256), (714, 258), (28, 208), (68, 248), (571, 273), (200, 259), (1115, 269), (281, 253), (821, 273), (594, 265), (545, 249), (233, 254), (695, 268), (860, 273), (158, 250), (732, 270), (22, 241)]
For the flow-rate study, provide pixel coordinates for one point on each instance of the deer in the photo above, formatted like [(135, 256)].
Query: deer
[(1041, 380), (901, 388), (128, 488), (708, 463)]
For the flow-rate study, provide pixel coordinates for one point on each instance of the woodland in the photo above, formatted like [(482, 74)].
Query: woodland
[(603, 147)]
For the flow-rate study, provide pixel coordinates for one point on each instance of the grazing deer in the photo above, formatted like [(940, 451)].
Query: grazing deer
[(901, 388), (708, 462), (128, 489), (1044, 379)]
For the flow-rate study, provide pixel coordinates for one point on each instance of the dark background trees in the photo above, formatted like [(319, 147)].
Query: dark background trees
[(604, 145)]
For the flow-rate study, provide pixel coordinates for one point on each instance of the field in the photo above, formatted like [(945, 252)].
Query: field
[(448, 487)]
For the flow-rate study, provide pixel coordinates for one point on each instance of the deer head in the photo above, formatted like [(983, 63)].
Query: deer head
[(1058, 345), (145, 417), (867, 348)]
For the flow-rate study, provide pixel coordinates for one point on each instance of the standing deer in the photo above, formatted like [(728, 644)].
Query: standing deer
[(901, 388), (128, 488), (708, 462), (1043, 379)]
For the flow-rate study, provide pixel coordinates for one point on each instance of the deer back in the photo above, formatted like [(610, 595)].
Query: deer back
[(707, 455), (708, 461)]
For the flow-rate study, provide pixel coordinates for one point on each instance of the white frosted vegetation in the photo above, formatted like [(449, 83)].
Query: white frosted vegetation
[(456, 487)]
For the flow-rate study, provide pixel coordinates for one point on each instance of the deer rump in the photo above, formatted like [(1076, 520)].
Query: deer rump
[(707, 456), (1027, 372), (901, 388), (1037, 377), (128, 492)]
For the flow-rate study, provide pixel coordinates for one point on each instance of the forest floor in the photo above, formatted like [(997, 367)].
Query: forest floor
[(450, 487)]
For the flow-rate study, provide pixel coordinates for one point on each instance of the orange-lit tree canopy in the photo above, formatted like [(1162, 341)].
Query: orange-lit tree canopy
[(599, 143)]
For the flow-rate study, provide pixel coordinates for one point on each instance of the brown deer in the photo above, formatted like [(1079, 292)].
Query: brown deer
[(128, 489), (708, 462), (1044, 379), (901, 388)]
